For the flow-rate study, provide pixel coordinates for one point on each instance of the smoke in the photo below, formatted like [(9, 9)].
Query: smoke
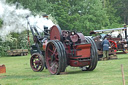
[(14, 19), (40, 22)]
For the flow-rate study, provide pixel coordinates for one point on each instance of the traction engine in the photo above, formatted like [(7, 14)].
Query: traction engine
[(57, 49)]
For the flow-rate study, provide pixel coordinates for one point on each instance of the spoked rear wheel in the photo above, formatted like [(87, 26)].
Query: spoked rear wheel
[(113, 44), (94, 56), (37, 62), (55, 57)]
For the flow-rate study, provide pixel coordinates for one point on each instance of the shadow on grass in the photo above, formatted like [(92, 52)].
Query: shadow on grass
[(12, 56), (80, 72), (123, 58), (77, 72), (24, 77)]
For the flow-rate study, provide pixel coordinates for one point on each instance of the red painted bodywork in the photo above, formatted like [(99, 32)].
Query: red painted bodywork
[(77, 49), (85, 50), (82, 54), (79, 54)]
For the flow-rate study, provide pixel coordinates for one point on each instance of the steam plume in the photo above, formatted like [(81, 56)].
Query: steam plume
[(14, 19)]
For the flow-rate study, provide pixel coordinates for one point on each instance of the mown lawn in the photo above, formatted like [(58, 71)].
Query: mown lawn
[(18, 72)]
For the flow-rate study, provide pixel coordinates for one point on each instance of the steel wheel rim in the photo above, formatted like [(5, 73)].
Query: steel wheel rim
[(63, 55), (52, 58), (113, 44), (94, 54), (36, 62)]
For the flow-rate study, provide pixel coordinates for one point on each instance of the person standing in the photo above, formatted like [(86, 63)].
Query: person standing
[(105, 43)]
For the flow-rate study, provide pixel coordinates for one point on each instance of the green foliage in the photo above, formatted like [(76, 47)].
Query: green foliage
[(113, 19), (3, 48), (6, 44), (61, 14), (21, 41), (121, 6), (14, 41), (1, 22), (36, 6), (80, 15)]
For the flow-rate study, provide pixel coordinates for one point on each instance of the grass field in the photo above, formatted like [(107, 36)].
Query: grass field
[(18, 72)]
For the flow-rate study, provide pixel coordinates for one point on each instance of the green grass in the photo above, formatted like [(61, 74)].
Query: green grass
[(18, 72)]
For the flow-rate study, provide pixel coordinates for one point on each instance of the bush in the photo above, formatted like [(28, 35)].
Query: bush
[(1, 22)]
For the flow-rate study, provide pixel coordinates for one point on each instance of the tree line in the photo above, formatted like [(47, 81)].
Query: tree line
[(81, 15)]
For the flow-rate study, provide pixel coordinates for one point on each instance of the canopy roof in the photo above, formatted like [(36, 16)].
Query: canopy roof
[(107, 30)]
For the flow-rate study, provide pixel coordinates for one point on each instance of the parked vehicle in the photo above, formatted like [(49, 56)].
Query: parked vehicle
[(117, 38), (17, 52)]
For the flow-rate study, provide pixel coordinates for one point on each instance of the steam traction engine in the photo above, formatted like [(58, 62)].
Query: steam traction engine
[(60, 48), (119, 43)]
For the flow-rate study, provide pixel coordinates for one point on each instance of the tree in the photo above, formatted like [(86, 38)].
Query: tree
[(79, 15), (114, 20), (121, 6), (1, 22), (36, 6)]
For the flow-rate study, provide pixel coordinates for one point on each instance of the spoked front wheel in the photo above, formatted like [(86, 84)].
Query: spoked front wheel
[(37, 62)]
